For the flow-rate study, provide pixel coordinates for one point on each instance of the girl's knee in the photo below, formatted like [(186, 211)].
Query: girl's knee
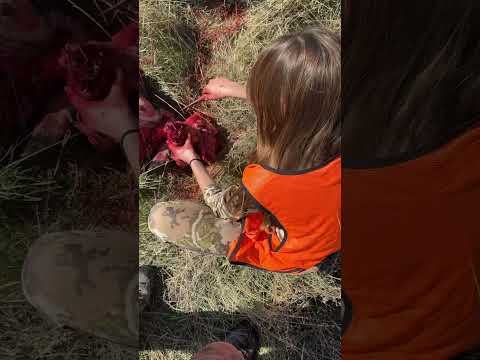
[(172, 219), (191, 225), (85, 280)]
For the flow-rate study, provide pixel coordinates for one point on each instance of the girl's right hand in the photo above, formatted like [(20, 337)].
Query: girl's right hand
[(111, 116), (184, 153), (220, 88)]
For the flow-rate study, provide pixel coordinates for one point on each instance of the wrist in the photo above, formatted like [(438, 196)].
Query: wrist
[(127, 135), (239, 91), (191, 162), (191, 157), (130, 123)]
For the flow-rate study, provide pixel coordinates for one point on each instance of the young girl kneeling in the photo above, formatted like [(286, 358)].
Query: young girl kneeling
[(285, 216)]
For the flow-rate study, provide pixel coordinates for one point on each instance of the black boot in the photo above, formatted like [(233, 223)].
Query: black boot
[(246, 338), (145, 275)]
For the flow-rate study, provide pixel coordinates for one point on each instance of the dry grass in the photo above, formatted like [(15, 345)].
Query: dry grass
[(19, 183), (107, 15), (202, 296), (167, 45), (233, 58), (65, 204), (56, 190)]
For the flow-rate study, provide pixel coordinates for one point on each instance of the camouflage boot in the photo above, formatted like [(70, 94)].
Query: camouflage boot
[(192, 226), (145, 284), (87, 281)]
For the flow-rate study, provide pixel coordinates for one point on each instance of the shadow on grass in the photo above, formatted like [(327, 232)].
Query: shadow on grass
[(152, 91), (191, 331), (76, 150), (316, 328)]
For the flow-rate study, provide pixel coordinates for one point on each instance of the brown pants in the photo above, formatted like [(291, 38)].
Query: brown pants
[(219, 351)]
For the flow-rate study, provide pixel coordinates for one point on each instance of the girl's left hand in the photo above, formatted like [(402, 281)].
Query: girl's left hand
[(220, 88)]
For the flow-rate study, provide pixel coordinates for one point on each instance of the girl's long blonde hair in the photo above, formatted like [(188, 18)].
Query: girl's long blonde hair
[(295, 88)]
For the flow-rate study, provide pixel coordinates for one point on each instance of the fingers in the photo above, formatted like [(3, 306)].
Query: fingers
[(208, 97), (117, 86), (82, 127), (207, 91), (174, 148), (118, 77), (171, 146), (75, 100), (188, 142), (215, 89)]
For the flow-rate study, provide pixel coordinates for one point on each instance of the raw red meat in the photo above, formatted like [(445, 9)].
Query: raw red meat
[(176, 132), (90, 71), (204, 136), (152, 141), (90, 67)]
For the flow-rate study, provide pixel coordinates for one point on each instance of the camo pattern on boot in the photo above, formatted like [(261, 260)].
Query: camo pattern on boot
[(87, 281), (192, 226)]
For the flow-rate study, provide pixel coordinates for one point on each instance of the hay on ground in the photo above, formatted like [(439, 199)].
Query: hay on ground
[(202, 296)]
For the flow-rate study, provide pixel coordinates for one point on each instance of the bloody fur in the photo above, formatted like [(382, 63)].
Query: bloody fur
[(204, 137), (90, 68)]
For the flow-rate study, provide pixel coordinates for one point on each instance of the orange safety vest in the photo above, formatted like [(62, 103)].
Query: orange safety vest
[(411, 264), (305, 204)]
